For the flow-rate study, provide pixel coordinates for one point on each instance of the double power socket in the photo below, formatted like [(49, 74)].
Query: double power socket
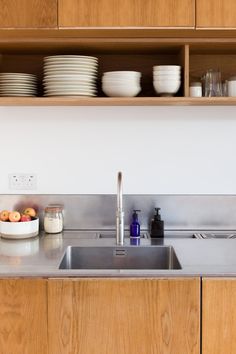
[(22, 181)]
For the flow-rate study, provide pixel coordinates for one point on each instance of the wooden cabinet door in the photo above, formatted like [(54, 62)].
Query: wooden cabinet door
[(23, 316), (216, 14), (28, 13), (126, 13), (128, 316), (218, 316)]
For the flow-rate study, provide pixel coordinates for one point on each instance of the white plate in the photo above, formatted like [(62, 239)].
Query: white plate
[(70, 61), (73, 91), (66, 65), (69, 77), (16, 95), (70, 57), (69, 94), (16, 84), (70, 70), (6, 92), (63, 86), (18, 81), (18, 76), (69, 82)]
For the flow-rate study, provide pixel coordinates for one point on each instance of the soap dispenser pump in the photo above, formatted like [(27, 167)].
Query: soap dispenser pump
[(135, 226), (157, 225)]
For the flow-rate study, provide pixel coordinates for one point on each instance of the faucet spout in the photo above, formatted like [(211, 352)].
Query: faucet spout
[(119, 212)]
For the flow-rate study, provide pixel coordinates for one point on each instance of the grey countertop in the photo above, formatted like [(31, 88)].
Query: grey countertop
[(41, 256)]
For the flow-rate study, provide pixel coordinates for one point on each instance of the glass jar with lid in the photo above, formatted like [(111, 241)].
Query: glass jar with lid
[(53, 219)]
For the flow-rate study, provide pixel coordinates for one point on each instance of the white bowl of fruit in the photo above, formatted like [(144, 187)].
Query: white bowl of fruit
[(16, 225)]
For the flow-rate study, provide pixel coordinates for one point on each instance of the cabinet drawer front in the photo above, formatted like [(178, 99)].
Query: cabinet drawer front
[(28, 13), (144, 316), (216, 14), (126, 13), (23, 316), (218, 316)]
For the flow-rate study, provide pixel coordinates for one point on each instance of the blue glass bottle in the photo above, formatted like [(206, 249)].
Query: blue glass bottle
[(135, 226)]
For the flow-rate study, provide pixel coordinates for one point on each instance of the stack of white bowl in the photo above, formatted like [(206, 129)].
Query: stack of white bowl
[(70, 75), (121, 83), (166, 79), (18, 85)]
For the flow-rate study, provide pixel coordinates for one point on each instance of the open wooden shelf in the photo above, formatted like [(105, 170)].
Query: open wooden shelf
[(116, 101), (195, 55)]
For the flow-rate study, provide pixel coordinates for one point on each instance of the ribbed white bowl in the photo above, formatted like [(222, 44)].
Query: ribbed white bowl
[(121, 90), (19, 230)]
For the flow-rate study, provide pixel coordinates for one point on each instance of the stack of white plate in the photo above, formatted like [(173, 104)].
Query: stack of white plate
[(166, 79), (18, 85), (121, 83), (70, 75)]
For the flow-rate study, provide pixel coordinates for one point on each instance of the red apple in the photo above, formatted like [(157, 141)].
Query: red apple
[(4, 215), (25, 217), (14, 216), (30, 211)]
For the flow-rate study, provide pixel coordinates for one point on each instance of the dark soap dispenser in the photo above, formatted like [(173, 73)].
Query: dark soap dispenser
[(157, 225)]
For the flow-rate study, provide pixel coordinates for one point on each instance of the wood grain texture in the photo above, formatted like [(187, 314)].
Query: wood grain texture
[(23, 316), (90, 316), (117, 101), (28, 13), (219, 316), (216, 13), (184, 61), (126, 13)]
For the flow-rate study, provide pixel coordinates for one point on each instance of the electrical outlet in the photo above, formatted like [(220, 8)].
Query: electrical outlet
[(22, 181)]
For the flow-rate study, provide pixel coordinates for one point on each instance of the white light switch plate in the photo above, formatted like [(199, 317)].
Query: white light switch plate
[(22, 181)]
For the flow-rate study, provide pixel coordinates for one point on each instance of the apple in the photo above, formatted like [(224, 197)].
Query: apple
[(4, 215), (14, 216), (25, 217), (30, 211)]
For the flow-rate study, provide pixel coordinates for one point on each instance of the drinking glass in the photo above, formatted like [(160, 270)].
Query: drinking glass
[(213, 84)]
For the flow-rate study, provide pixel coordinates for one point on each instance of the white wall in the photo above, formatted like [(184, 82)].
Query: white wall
[(159, 149)]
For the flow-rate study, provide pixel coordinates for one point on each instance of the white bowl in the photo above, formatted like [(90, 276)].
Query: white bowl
[(167, 68), (163, 74), (232, 88), (166, 88), (169, 81), (19, 230), (166, 79), (121, 81), (121, 90), (122, 74)]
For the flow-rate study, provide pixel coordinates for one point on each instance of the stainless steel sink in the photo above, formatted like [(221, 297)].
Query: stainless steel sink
[(145, 257)]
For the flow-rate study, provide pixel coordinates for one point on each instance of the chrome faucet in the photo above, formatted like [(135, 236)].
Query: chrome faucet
[(119, 213)]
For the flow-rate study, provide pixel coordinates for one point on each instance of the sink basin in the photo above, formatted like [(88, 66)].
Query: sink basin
[(145, 257)]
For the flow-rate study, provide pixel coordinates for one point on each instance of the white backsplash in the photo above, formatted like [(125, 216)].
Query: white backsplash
[(161, 150)]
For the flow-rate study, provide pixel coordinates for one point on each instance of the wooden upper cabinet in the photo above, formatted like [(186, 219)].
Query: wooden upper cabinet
[(129, 316), (216, 14), (218, 316), (28, 13), (126, 13), (23, 316)]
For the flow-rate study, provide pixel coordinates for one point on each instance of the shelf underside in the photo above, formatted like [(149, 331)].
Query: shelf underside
[(117, 101)]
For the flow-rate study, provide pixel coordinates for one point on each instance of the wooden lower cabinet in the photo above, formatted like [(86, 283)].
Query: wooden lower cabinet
[(124, 316), (23, 316), (218, 316)]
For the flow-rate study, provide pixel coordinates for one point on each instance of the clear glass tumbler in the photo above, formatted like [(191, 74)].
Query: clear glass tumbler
[(213, 83)]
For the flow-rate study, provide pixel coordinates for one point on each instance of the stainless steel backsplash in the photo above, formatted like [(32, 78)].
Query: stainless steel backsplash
[(180, 212)]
